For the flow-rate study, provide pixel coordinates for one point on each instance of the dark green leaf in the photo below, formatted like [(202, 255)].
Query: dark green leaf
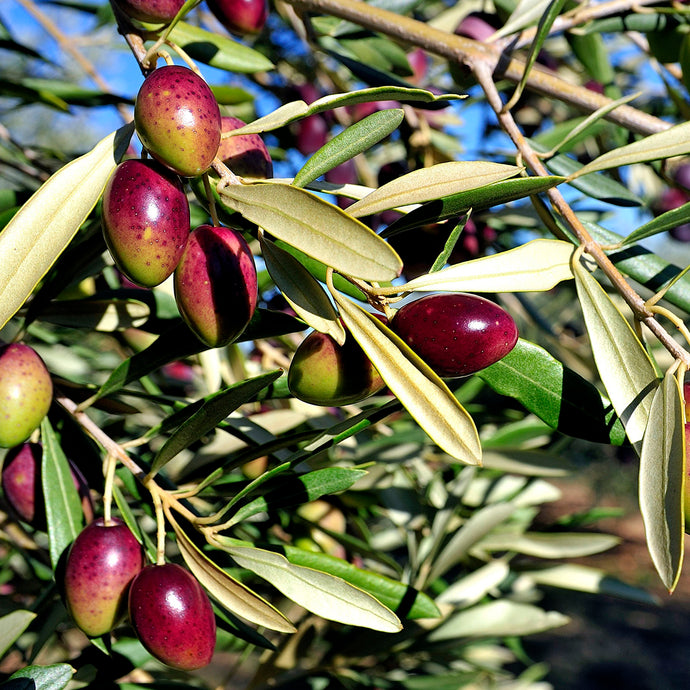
[(556, 394), (666, 221), (53, 677)]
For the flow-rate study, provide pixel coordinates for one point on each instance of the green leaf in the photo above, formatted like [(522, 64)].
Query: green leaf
[(319, 229), (424, 184), (666, 221), (52, 677), (624, 366), (47, 222), (526, 13), (301, 290), (227, 591), (105, 315), (215, 408), (355, 139), (536, 265), (397, 596), (550, 544), (556, 394), (425, 396), (674, 141), (63, 506), (591, 51), (325, 595), (497, 619), (12, 625), (475, 199), (217, 50), (662, 474)]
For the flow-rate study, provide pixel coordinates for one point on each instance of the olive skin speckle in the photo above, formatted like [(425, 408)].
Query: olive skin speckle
[(456, 334), (172, 616), (177, 120)]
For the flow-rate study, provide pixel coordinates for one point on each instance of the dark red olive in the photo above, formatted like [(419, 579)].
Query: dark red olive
[(245, 154), (172, 616), (101, 564), (456, 334), (240, 16), (156, 11), (145, 220), (177, 119)]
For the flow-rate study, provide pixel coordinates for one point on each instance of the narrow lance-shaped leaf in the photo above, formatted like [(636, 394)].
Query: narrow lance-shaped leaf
[(355, 139), (623, 364), (12, 625), (321, 593), (63, 507), (302, 291), (213, 411), (227, 591), (47, 222), (103, 315), (666, 221), (419, 389), (319, 229), (537, 265), (35, 677), (662, 469), (442, 179)]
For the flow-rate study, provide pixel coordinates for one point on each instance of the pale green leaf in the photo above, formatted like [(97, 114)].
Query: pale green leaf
[(424, 184), (526, 13), (419, 389), (550, 544), (537, 265), (671, 142), (63, 506), (473, 587), (227, 591), (321, 593), (498, 619), (623, 364), (104, 315), (39, 232), (302, 291), (357, 138), (35, 677), (319, 229), (662, 467), (12, 626), (277, 118)]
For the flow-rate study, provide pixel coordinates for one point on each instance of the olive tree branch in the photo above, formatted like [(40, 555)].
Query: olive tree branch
[(465, 50)]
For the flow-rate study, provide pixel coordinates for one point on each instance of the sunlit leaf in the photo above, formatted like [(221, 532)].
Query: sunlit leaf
[(215, 409), (12, 625), (218, 50), (63, 506), (442, 179), (227, 591), (550, 544), (50, 677), (96, 314), (319, 229), (662, 469), (666, 221), (498, 618), (325, 595), (419, 389), (46, 223), (623, 364), (537, 265), (357, 138), (474, 586), (302, 291), (674, 141)]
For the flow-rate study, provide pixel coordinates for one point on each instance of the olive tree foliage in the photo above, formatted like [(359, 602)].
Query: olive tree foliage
[(389, 543)]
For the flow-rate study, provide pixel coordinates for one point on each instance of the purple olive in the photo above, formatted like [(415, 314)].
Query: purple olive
[(172, 616), (26, 391), (456, 334), (177, 119), (23, 490), (155, 11), (101, 563), (245, 154), (145, 220), (240, 16), (322, 372), (216, 286)]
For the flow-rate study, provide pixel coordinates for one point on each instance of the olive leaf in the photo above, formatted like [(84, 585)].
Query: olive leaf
[(50, 677), (662, 473), (12, 625), (537, 265), (42, 228), (426, 397), (103, 315), (321, 593), (301, 290), (424, 184), (624, 366), (319, 229), (549, 544), (227, 591)]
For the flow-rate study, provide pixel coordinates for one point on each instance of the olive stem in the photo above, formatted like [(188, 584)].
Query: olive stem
[(160, 522), (110, 465)]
